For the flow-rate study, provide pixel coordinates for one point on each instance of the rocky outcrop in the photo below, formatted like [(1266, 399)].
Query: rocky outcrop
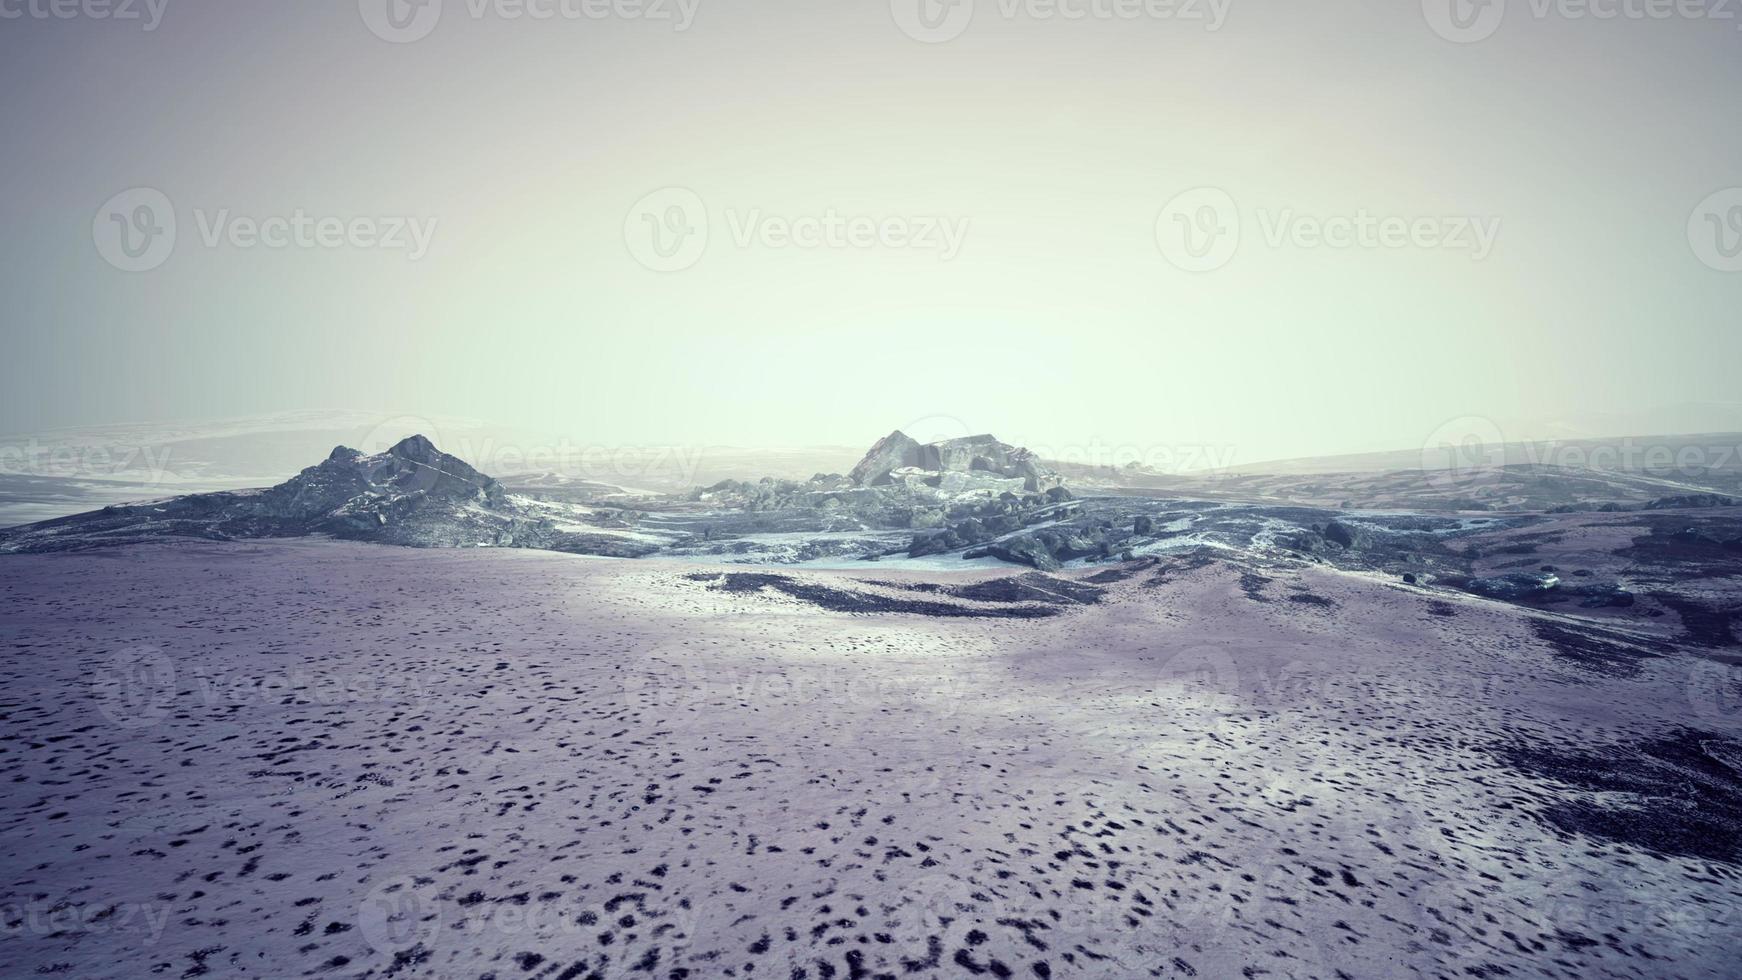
[(1345, 535), (894, 451), (954, 465), (1048, 549), (1691, 500), (1516, 586), (413, 494)]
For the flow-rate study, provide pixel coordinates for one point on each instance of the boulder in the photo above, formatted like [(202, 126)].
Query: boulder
[(1601, 596), (894, 451), (1349, 537), (1025, 549), (1518, 585)]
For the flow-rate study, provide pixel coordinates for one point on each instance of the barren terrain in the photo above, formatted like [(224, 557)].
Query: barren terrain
[(315, 758)]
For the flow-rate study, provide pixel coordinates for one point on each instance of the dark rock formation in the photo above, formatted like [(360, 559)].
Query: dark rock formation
[(1513, 587), (1048, 549), (1339, 533), (935, 463), (412, 494), (892, 452), (1691, 500)]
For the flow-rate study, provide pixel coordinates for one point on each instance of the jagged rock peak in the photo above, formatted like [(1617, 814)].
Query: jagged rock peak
[(417, 448)]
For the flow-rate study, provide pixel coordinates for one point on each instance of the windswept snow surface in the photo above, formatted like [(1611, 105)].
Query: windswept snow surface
[(314, 758)]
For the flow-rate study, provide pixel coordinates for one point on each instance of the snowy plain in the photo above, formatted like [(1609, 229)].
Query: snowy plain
[(313, 758)]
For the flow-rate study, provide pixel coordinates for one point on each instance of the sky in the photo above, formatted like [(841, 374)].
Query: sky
[(1285, 229)]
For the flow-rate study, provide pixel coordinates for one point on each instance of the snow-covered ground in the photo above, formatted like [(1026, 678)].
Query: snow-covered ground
[(311, 758)]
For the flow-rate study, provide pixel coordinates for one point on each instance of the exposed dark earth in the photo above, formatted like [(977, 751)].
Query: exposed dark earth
[(957, 713)]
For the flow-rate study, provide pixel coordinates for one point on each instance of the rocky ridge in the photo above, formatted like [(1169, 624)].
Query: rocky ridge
[(413, 494)]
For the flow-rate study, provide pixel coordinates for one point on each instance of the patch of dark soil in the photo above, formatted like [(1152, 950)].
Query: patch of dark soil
[(1704, 625), (1690, 545), (1122, 572), (1595, 650), (1515, 544), (1188, 563), (1253, 585), (1308, 599), (1033, 587), (1686, 789), (1438, 608), (841, 600)]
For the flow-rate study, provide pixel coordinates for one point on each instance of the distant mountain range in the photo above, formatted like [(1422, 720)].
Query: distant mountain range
[(961, 500), (412, 494)]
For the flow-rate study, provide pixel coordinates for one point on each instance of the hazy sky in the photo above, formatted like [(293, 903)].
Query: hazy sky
[(990, 216)]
